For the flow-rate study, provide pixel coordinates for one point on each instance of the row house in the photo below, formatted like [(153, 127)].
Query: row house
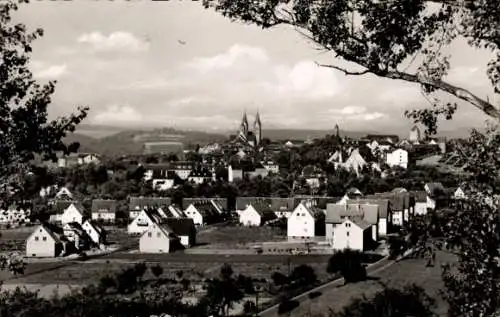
[(313, 175), (137, 204), (64, 212), (384, 214), (52, 241), (168, 235), (104, 210), (353, 226), (75, 159), (221, 204), (402, 206), (201, 175)]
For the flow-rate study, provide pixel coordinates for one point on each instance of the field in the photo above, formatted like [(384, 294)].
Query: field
[(398, 275), (14, 239), (224, 236)]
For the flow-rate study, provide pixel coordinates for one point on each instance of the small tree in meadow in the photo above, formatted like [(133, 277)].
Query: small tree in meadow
[(347, 263)]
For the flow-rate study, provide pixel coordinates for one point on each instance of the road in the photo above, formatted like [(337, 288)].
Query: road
[(372, 269)]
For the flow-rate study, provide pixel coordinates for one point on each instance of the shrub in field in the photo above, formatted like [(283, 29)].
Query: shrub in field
[(279, 279), (303, 275), (156, 270), (349, 264)]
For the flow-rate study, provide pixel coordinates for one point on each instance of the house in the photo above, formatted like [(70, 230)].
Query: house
[(352, 234), (256, 214), (420, 198), (173, 211), (64, 193), (75, 233), (145, 219), (271, 166), (398, 158), (234, 173), (57, 208), (306, 222), (202, 213), (163, 184), (182, 169), (459, 193), (157, 238), (414, 136), (96, 233), (73, 213), (184, 229), (137, 204), (402, 206), (384, 214), (361, 218), (355, 162), (43, 242), (200, 176), (312, 175), (104, 210)]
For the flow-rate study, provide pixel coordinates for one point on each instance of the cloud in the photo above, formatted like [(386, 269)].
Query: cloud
[(117, 114), (237, 54), (354, 113), (352, 110), (116, 41), (304, 80), (43, 71)]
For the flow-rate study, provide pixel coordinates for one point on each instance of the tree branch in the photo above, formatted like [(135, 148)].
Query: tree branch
[(345, 71)]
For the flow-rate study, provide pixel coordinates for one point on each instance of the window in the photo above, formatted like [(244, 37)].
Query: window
[(347, 233), (44, 238), (150, 234), (158, 235), (40, 230), (36, 238)]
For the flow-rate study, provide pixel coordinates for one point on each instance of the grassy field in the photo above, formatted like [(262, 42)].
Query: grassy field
[(398, 275), (91, 272), (14, 239), (230, 236)]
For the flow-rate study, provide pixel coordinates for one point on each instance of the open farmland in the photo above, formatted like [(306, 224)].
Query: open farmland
[(14, 239), (236, 237), (398, 275)]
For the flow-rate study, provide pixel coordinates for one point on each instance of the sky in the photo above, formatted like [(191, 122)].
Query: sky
[(176, 64)]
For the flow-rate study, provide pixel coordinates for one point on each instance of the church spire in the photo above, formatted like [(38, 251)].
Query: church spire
[(257, 127)]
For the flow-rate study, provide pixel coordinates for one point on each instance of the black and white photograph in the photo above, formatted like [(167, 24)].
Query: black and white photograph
[(230, 158)]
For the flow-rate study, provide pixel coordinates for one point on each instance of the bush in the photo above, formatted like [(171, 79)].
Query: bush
[(349, 264), (287, 305)]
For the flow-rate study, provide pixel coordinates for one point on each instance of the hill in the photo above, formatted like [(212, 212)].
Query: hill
[(132, 141)]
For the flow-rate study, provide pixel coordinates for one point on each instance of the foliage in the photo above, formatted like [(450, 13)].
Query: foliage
[(287, 305), (390, 302), (279, 279), (349, 264), (156, 270), (249, 308), (303, 275)]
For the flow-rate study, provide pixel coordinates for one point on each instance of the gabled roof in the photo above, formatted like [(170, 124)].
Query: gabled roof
[(104, 205), (50, 231), (59, 206), (367, 212), (153, 215), (163, 227), (95, 225), (220, 201), (383, 204), (243, 202), (200, 173), (180, 226), (283, 204), (361, 223), (143, 202), (316, 213), (205, 208), (264, 211)]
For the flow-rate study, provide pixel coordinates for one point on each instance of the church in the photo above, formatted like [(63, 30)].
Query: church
[(250, 137)]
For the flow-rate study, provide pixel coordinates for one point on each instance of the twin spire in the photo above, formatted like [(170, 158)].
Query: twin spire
[(244, 130)]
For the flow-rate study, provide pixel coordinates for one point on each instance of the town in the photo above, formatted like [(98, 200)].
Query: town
[(248, 198), (223, 158)]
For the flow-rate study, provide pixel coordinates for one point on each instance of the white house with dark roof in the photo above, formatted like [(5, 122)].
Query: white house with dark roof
[(158, 238), (73, 213), (200, 176), (306, 222), (283, 207), (137, 204), (402, 206), (351, 193), (256, 214), (145, 219), (43, 242), (75, 233), (353, 226), (64, 193), (202, 213), (104, 210)]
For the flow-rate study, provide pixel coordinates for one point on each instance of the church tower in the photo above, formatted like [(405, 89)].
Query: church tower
[(337, 132), (257, 128), (243, 133)]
